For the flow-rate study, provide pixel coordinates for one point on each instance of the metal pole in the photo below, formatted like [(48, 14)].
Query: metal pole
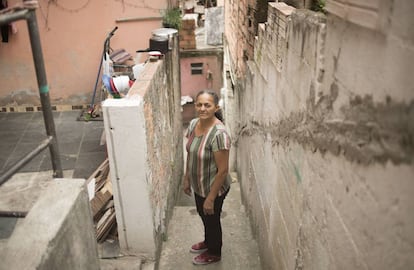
[(18, 15), (26, 159), (44, 92), (15, 214)]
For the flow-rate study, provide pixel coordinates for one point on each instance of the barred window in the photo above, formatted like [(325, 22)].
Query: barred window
[(196, 68)]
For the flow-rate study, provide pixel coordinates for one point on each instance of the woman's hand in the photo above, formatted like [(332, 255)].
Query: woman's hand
[(208, 207), (187, 187)]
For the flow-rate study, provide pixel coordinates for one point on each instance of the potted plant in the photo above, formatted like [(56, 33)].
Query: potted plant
[(172, 18)]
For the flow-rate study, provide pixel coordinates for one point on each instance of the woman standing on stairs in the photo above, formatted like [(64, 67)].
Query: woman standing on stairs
[(208, 149)]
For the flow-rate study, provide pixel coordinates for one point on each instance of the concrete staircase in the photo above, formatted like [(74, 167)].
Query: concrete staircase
[(239, 247)]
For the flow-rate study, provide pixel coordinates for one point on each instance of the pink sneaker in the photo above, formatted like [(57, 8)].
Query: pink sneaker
[(205, 258), (198, 248)]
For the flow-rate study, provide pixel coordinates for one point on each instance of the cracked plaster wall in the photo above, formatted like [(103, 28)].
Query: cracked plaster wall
[(325, 141)]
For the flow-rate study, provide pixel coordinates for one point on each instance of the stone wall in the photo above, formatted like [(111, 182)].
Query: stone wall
[(325, 140), (144, 135)]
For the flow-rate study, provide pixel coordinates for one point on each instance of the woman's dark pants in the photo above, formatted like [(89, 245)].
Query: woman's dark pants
[(212, 224)]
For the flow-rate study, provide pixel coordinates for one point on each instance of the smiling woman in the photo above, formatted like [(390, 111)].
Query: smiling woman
[(206, 174)]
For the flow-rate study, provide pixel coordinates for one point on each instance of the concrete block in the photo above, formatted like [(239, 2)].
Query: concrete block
[(281, 8), (57, 233), (127, 148), (366, 15), (214, 25)]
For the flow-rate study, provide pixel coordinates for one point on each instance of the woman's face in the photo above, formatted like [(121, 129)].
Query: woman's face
[(205, 106)]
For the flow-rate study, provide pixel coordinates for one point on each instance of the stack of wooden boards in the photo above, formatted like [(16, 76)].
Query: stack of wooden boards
[(101, 201)]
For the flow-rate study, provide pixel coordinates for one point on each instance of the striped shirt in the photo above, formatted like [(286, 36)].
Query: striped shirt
[(201, 165)]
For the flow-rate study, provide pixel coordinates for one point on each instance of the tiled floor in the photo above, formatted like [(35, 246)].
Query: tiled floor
[(79, 142)]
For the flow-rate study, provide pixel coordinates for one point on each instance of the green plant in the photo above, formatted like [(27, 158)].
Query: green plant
[(318, 5), (172, 18)]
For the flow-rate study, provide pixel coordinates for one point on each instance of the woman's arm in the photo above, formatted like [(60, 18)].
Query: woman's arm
[(222, 162)]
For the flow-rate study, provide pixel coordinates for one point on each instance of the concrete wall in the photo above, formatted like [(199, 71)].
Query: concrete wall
[(72, 35), (299, 3), (144, 135), (214, 27), (325, 139), (57, 233)]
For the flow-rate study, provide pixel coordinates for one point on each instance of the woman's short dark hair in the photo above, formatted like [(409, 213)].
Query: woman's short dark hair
[(219, 113)]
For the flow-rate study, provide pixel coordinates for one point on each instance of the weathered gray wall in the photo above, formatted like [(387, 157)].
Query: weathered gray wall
[(325, 140), (57, 233), (214, 26)]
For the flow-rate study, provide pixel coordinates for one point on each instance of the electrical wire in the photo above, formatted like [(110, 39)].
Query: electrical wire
[(142, 5), (71, 10)]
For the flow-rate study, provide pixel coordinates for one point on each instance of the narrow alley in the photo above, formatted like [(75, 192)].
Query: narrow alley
[(239, 247)]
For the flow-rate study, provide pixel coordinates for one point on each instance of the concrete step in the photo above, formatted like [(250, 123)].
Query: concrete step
[(239, 247)]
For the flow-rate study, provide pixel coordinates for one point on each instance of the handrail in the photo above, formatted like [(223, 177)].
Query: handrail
[(15, 214), (28, 13), (11, 17), (23, 161)]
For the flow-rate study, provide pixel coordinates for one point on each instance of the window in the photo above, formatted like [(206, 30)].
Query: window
[(196, 68)]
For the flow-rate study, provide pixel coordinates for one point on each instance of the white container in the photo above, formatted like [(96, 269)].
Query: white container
[(137, 69), (121, 84)]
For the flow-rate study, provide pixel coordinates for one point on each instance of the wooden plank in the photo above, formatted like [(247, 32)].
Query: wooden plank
[(105, 224), (99, 201), (107, 186), (102, 206), (100, 170)]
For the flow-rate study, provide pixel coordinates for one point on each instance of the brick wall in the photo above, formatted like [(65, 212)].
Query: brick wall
[(324, 140), (237, 33), (187, 35)]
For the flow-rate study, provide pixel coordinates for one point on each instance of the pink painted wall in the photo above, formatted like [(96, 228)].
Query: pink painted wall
[(72, 34), (191, 84)]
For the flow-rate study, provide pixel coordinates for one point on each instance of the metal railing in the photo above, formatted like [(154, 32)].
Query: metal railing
[(27, 11)]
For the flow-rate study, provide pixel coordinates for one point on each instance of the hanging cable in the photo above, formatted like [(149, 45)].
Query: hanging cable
[(71, 10)]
